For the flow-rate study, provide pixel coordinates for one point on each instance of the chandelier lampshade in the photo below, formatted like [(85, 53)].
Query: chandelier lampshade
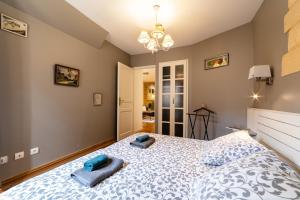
[(157, 39), (152, 45), (168, 41), (144, 37)]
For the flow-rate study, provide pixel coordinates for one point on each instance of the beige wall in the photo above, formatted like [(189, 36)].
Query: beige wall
[(35, 112), (271, 43), (225, 90)]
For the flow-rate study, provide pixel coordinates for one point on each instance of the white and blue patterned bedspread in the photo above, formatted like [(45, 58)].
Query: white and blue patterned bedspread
[(163, 171)]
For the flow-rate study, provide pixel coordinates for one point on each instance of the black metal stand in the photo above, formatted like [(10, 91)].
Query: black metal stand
[(205, 118), (193, 122)]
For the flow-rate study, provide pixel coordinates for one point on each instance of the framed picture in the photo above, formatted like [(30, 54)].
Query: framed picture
[(97, 99), (66, 76), (14, 26), (218, 61)]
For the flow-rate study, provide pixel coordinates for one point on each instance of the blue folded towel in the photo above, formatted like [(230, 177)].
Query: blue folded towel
[(142, 138), (95, 163), (91, 179), (143, 145)]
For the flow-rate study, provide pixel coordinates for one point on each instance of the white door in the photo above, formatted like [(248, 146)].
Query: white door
[(173, 98), (125, 101)]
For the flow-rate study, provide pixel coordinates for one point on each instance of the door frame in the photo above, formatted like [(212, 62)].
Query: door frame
[(155, 92), (186, 94)]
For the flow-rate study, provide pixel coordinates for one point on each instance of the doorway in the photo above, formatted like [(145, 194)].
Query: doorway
[(135, 100), (144, 99)]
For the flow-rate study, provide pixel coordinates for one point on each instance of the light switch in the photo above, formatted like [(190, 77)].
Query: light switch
[(34, 150)]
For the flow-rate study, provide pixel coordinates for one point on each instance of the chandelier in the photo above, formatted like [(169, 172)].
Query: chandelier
[(157, 39)]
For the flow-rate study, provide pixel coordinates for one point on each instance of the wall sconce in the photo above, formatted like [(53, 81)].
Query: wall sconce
[(261, 73)]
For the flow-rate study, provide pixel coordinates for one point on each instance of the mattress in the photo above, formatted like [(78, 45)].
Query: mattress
[(163, 171)]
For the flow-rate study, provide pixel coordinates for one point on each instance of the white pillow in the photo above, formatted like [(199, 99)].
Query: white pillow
[(229, 148)]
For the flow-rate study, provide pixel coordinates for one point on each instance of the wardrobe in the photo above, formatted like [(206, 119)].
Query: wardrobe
[(173, 98)]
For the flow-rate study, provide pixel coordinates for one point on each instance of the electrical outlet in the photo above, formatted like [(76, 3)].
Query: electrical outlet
[(19, 155), (3, 160), (34, 150)]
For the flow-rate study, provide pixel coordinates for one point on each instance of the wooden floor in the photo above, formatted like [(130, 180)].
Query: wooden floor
[(148, 127), (44, 168)]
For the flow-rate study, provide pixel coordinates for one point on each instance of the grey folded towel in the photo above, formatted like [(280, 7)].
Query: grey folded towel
[(91, 179), (143, 145)]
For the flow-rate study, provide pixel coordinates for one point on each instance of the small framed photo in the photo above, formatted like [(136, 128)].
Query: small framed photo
[(66, 76), (97, 99), (218, 61), (14, 26)]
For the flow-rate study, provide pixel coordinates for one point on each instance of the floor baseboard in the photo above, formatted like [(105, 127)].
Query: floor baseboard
[(6, 184)]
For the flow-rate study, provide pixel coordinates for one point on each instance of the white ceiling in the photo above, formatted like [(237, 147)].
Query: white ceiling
[(188, 21)]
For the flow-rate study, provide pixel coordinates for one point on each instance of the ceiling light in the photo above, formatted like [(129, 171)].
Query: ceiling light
[(157, 40), (144, 37), (158, 32), (168, 41), (153, 46)]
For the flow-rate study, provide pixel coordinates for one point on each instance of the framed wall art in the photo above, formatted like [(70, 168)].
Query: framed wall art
[(66, 76), (218, 61), (14, 26)]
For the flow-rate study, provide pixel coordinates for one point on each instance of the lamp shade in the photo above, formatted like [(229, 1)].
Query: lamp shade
[(260, 71), (144, 37), (168, 41), (152, 45)]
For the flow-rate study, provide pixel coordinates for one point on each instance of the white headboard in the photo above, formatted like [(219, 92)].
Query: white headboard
[(279, 130)]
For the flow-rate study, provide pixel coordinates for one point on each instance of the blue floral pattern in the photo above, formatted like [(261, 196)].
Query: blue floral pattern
[(261, 176), (162, 171), (229, 148)]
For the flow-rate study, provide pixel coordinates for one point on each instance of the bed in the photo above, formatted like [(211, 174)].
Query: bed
[(154, 173), (171, 168)]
